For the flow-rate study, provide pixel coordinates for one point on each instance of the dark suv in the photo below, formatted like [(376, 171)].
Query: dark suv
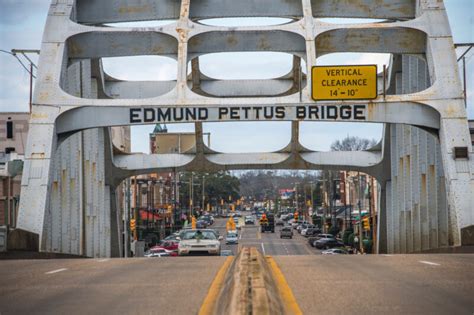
[(325, 243)]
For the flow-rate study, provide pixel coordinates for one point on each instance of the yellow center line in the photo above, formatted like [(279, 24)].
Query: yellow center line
[(210, 301), (286, 294)]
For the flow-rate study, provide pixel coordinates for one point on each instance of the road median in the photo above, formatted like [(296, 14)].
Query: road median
[(250, 284)]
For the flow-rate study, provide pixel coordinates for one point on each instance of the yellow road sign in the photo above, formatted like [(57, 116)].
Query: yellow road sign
[(344, 82)]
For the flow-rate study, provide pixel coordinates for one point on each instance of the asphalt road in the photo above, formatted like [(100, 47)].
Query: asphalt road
[(381, 284), (172, 285), (322, 284)]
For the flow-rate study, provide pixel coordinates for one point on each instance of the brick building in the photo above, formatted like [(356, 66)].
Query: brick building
[(13, 134)]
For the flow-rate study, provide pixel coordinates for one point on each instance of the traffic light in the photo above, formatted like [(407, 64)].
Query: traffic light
[(133, 224), (170, 208), (366, 223), (193, 222), (295, 216), (232, 207)]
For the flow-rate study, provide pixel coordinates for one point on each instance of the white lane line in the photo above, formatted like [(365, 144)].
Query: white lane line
[(429, 263), (241, 233), (263, 249), (55, 271), (388, 255), (103, 260)]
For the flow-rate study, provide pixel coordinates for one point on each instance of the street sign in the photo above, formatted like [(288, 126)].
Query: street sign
[(344, 82)]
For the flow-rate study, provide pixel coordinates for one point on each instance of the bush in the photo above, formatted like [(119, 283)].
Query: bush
[(345, 237), (367, 244), (350, 239)]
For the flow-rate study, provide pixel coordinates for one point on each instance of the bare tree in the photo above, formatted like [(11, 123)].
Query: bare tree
[(352, 144)]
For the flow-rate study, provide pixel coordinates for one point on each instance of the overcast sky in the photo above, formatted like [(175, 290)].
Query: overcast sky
[(22, 23)]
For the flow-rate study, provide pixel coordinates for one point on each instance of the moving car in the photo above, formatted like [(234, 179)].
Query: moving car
[(286, 232), (334, 251), (249, 220), (208, 218), (199, 241), (201, 224), (279, 222), (232, 237)]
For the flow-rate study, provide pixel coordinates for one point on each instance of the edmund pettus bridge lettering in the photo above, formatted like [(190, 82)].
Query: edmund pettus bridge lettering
[(189, 114)]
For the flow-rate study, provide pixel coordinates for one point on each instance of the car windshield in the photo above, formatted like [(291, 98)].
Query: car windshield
[(231, 235), (194, 235)]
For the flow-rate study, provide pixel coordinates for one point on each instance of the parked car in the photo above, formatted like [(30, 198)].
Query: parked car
[(232, 237), (312, 240), (325, 243), (334, 251), (304, 230), (199, 241), (158, 251), (249, 219), (312, 232), (302, 226), (171, 245), (286, 231)]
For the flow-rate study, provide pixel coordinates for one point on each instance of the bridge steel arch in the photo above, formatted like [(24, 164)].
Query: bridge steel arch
[(72, 168)]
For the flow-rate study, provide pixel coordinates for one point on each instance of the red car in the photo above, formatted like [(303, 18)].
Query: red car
[(169, 245), (161, 248)]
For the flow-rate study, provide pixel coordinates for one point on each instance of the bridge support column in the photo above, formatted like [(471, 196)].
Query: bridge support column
[(36, 180), (459, 177)]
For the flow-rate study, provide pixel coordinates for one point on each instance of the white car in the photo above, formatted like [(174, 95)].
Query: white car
[(199, 241), (334, 251), (160, 252)]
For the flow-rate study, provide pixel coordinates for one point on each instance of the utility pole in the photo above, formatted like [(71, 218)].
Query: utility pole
[(203, 191), (360, 212), (126, 223), (191, 195)]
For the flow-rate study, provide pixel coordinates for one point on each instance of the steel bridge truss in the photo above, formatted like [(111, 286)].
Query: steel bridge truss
[(72, 167)]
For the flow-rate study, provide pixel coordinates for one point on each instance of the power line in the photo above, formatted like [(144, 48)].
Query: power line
[(20, 61)]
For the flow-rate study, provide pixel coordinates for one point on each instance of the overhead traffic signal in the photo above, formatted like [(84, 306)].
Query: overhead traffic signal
[(193, 222), (133, 224), (366, 223)]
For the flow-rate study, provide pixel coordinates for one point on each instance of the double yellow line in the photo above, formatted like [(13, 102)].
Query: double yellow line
[(284, 290), (210, 301)]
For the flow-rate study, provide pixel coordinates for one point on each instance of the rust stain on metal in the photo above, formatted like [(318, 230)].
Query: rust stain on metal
[(231, 40), (39, 115), (183, 34), (74, 48), (133, 9)]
